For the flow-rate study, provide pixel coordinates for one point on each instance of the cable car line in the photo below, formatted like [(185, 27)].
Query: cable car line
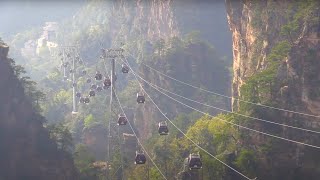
[(240, 126), (225, 96), (214, 107), (112, 111), (135, 75), (162, 125), (139, 142)]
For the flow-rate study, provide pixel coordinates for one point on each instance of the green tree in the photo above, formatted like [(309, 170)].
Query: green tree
[(85, 163), (247, 162), (159, 46), (89, 121), (193, 37), (62, 136)]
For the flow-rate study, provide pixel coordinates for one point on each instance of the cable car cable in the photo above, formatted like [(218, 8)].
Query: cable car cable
[(218, 94), (116, 96), (240, 126), (138, 138), (214, 107), (183, 132)]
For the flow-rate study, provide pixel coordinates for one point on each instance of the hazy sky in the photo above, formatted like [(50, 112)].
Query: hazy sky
[(19, 15)]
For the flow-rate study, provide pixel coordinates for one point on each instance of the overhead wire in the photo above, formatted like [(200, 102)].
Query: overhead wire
[(229, 97), (183, 132), (139, 142), (234, 124), (224, 110)]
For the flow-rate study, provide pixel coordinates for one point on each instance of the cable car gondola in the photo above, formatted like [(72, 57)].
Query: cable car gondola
[(82, 100), (194, 161), (92, 93), (122, 120), (107, 82), (78, 95), (140, 98), (163, 128), (140, 158), (84, 72), (86, 100), (93, 86), (98, 76), (124, 68)]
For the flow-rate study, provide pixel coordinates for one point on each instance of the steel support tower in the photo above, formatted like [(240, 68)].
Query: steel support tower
[(114, 141), (70, 53)]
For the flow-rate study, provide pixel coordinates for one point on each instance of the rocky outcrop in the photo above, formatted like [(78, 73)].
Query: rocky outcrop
[(26, 151), (145, 19), (257, 28)]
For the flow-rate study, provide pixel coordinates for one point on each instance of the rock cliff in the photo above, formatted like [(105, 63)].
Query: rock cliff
[(276, 53), (26, 150)]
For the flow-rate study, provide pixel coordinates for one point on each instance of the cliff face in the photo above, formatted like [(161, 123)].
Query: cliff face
[(253, 42), (166, 19), (259, 31), (195, 63), (157, 17), (26, 151), (146, 19)]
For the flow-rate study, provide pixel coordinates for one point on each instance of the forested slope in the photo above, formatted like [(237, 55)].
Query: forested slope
[(26, 150)]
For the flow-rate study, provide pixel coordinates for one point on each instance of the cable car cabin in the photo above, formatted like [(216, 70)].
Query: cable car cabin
[(124, 68), (78, 95), (163, 128), (194, 161), (99, 88), (122, 120), (86, 100), (84, 72), (93, 86), (140, 158), (74, 84), (82, 100), (92, 93), (140, 98), (88, 80), (98, 76), (107, 82)]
